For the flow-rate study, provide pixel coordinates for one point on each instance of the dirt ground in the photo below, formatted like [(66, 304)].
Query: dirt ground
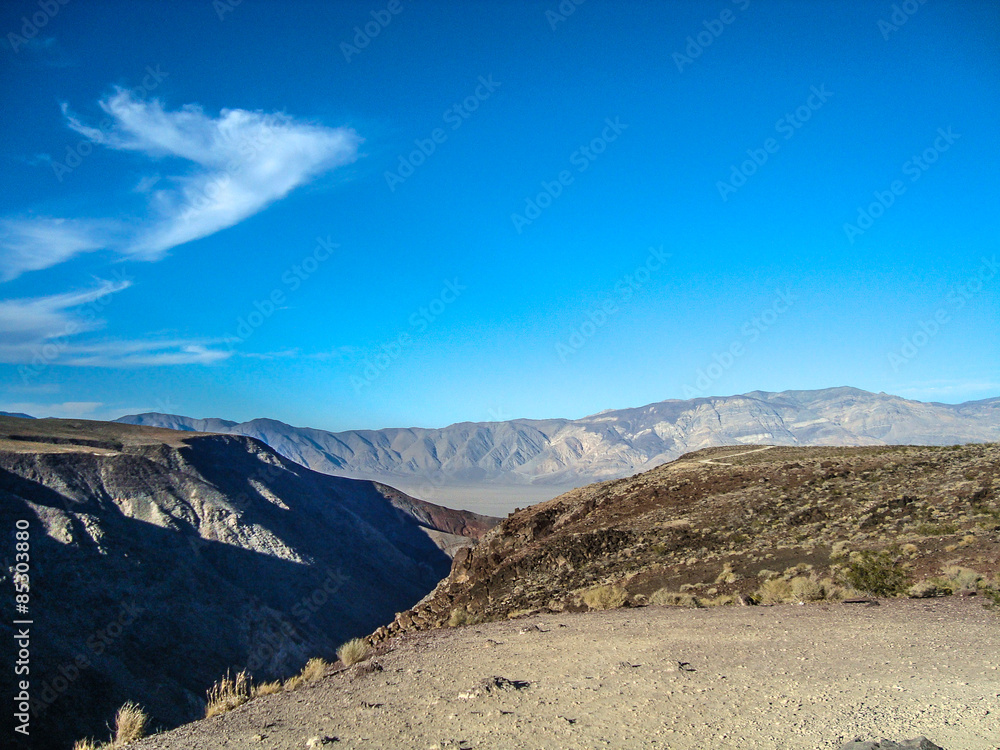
[(790, 677)]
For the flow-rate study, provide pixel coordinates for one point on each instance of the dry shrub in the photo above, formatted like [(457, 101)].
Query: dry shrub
[(928, 589), (962, 578), (674, 599), (807, 589), (227, 694), (353, 651), (774, 591), (727, 575), (604, 597), (86, 745)]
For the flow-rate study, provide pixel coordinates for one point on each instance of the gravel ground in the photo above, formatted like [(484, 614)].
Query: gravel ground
[(785, 677)]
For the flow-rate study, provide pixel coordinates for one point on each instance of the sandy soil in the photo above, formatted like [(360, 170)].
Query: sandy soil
[(786, 677)]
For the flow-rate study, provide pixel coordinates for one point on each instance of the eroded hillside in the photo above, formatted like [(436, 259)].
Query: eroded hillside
[(161, 559), (724, 522)]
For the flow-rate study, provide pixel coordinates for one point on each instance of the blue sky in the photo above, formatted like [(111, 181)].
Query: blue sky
[(351, 215)]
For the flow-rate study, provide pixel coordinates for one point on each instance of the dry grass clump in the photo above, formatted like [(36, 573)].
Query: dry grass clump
[(266, 688), (131, 725), (353, 651), (807, 589), (774, 591), (604, 597), (227, 694), (799, 589), (314, 669), (665, 597)]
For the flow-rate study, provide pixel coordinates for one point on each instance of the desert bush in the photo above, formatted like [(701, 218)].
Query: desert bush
[(774, 591), (962, 578), (674, 599), (807, 589), (719, 601), (939, 529), (727, 575), (875, 573), (86, 745), (796, 570), (928, 589), (131, 723), (227, 694), (353, 651), (604, 597), (461, 616), (767, 575), (910, 549)]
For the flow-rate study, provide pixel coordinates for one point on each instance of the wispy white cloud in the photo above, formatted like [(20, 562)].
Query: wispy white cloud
[(41, 331), (239, 163), (40, 242), (216, 172), (34, 320)]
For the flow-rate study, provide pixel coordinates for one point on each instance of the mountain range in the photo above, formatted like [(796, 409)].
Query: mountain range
[(495, 466)]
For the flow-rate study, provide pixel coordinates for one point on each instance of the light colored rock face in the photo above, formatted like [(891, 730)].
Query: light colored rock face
[(612, 444)]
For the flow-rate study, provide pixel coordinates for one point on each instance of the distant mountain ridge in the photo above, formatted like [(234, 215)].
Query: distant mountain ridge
[(610, 444)]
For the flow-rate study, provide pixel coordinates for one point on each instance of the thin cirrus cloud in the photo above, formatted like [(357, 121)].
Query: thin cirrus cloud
[(34, 244), (41, 330), (228, 168), (211, 173)]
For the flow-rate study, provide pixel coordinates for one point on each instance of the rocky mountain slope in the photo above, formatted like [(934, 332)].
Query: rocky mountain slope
[(564, 453), (160, 559), (775, 524)]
